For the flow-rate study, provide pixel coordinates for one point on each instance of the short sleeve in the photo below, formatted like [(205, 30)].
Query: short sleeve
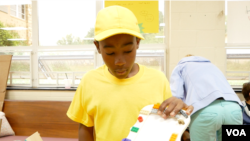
[(78, 108)]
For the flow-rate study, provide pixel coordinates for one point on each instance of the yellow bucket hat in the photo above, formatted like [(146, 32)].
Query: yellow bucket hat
[(114, 20)]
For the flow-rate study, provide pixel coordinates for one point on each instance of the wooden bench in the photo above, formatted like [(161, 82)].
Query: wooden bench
[(47, 117)]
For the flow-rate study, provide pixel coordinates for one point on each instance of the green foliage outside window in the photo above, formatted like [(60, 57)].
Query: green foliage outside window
[(70, 40), (10, 34)]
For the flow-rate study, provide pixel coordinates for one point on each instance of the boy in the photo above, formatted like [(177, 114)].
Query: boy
[(201, 84), (109, 98), (246, 104)]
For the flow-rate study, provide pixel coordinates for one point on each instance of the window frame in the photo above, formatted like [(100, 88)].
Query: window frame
[(234, 46), (35, 47), (17, 8), (237, 46)]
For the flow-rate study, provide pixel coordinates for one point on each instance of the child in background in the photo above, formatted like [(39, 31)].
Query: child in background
[(246, 104), (201, 84), (109, 98)]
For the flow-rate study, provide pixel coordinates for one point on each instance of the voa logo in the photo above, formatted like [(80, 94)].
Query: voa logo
[(236, 132)]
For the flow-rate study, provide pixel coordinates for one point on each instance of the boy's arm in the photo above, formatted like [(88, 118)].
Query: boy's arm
[(171, 106), (86, 133), (177, 83)]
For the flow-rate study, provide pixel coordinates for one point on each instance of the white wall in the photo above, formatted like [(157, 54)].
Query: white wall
[(197, 28)]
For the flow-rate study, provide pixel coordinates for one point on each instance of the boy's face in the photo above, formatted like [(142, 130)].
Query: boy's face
[(118, 53)]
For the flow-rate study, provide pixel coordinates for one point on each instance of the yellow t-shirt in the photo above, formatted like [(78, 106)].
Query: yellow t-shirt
[(112, 105)]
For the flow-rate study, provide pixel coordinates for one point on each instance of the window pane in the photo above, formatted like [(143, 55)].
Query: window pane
[(15, 30), (23, 8), (238, 66), (13, 10), (21, 12), (151, 58), (19, 8), (20, 15), (54, 67), (20, 68), (66, 22)]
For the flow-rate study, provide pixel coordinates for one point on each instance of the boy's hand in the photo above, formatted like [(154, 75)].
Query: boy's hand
[(174, 106)]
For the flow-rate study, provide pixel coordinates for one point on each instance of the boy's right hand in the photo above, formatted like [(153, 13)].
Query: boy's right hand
[(173, 105)]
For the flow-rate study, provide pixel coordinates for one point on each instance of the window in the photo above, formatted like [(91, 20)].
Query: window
[(13, 10), (20, 74), (238, 66), (57, 44), (238, 42), (54, 67), (18, 11), (21, 11), (74, 26), (15, 27), (151, 58)]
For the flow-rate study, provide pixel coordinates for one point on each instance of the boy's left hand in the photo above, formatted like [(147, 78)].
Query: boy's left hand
[(174, 106)]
